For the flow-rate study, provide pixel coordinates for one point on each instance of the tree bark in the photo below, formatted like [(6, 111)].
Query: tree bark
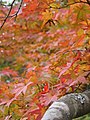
[(69, 106)]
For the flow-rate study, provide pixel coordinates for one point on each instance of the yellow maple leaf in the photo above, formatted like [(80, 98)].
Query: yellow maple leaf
[(80, 32), (46, 16)]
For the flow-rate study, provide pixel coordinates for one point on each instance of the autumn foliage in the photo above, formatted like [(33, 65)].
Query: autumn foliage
[(44, 55)]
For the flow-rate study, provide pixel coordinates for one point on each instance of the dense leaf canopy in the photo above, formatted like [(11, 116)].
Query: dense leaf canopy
[(44, 54)]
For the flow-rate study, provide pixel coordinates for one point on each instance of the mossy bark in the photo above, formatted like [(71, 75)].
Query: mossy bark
[(69, 106)]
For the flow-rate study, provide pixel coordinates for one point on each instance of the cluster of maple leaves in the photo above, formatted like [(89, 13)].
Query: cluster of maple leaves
[(44, 55)]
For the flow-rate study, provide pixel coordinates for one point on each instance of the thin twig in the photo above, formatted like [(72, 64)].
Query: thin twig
[(14, 15), (18, 9), (7, 15)]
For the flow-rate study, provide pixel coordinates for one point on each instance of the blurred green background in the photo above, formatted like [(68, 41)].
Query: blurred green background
[(85, 117)]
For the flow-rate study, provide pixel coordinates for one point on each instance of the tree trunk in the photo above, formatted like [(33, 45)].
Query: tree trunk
[(69, 106)]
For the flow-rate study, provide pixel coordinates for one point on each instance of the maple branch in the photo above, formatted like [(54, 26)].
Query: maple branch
[(70, 4), (69, 106), (88, 1), (8, 15), (83, 2)]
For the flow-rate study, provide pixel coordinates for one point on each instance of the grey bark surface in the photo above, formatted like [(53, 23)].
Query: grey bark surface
[(69, 106)]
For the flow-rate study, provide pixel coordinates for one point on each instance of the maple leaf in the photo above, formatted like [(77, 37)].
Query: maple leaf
[(46, 16), (26, 0), (48, 98), (8, 117), (30, 7), (65, 69), (3, 102), (82, 80), (37, 112), (7, 71), (21, 88), (45, 88)]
